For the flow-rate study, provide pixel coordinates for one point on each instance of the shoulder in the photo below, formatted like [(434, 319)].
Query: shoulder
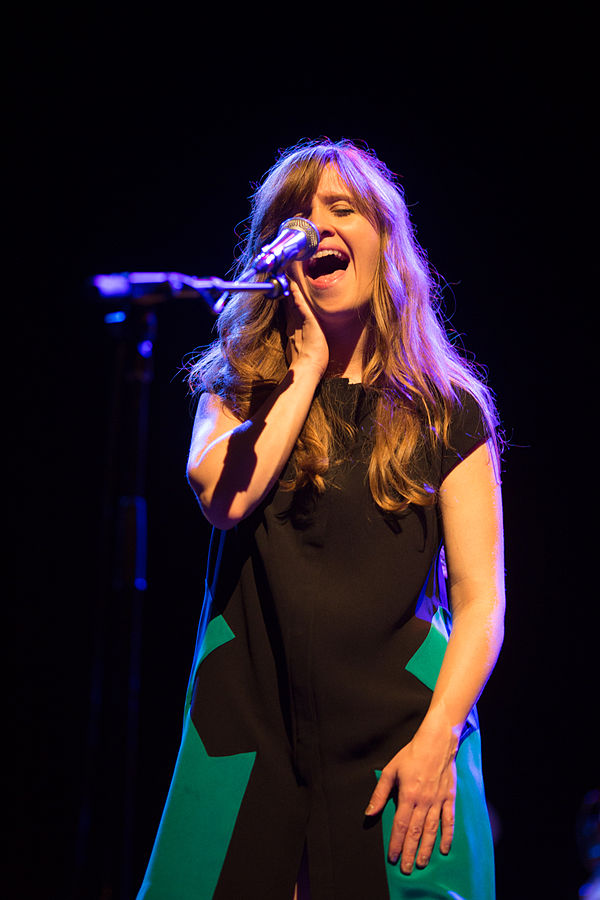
[(469, 426)]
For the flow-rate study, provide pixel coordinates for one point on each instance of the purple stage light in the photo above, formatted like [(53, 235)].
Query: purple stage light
[(112, 285), (214, 291), (145, 349), (114, 318), (148, 277)]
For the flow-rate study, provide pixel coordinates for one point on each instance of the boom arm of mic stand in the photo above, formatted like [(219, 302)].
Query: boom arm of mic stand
[(275, 287), (215, 291)]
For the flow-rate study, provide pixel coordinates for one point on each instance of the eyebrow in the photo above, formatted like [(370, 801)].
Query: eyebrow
[(332, 198)]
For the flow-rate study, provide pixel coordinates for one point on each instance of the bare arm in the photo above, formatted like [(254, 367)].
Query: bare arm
[(471, 507), (424, 770), (232, 465)]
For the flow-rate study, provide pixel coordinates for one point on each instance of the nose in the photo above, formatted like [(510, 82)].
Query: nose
[(323, 222)]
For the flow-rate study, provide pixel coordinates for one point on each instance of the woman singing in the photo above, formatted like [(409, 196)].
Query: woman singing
[(347, 457)]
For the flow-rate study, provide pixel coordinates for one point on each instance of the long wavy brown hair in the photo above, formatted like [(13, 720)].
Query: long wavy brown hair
[(414, 374)]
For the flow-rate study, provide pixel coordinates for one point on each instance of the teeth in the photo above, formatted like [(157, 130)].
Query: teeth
[(322, 253)]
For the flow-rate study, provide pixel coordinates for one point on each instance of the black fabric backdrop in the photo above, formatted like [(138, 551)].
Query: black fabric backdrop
[(136, 149)]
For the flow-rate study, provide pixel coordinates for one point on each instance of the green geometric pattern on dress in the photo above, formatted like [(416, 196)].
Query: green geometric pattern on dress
[(201, 808), (452, 877), (217, 633), (197, 822), (426, 663)]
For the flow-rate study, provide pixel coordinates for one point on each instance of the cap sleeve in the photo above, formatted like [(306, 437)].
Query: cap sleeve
[(468, 430)]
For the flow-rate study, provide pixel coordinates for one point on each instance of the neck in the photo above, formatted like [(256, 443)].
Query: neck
[(346, 342)]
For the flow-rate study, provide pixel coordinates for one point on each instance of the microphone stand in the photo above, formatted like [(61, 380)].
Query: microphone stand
[(131, 300), (275, 287), (105, 838), (215, 291)]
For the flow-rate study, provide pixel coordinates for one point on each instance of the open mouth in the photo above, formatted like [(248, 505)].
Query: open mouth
[(326, 262)]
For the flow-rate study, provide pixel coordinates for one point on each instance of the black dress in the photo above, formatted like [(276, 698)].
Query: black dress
[(322, 632)]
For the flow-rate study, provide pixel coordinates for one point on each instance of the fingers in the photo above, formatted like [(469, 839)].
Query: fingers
[(408, 826), (423, 810), (416, 825), (414, 832), (439, 818), (293, 316), (306, 340), (430, 830), (298, 302), (447, 825), (298, 312), (448, 809), (405, 836), (380, 795)]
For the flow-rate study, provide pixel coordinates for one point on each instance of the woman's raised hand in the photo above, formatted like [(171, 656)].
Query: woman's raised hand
[(306, 342)]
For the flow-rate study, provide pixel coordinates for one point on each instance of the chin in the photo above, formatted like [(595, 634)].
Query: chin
[(339, 308)]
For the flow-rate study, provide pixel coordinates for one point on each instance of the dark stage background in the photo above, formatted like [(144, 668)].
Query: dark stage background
[(138, 153)]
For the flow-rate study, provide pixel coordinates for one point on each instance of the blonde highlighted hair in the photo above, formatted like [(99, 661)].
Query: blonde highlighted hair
[(410, 367)]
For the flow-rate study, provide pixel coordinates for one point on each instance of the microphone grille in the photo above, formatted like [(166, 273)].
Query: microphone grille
[(311, 231)]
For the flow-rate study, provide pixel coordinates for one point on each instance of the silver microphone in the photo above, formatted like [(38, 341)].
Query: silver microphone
[(296, 239)]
